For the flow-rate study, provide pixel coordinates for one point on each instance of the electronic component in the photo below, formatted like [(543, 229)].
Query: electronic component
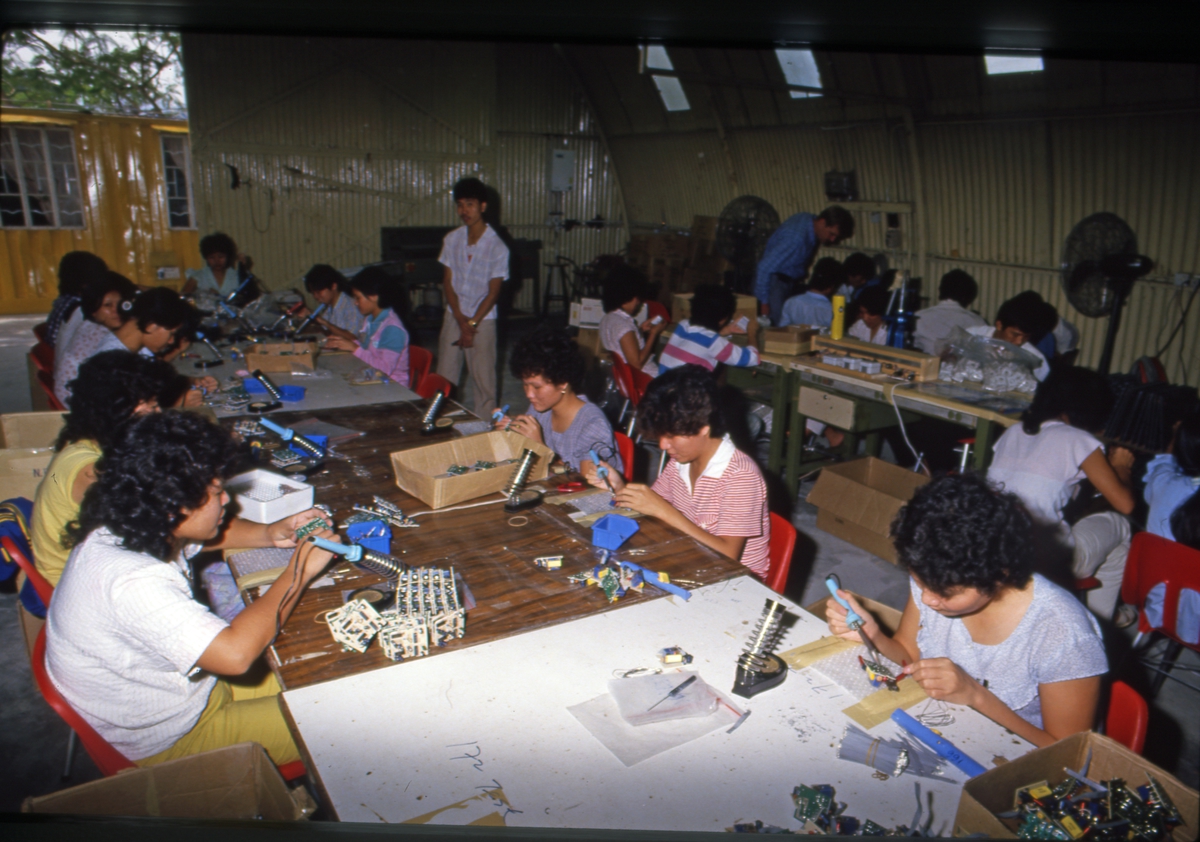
[(549, 562), (674, 655), (354, 625), (758, 668)]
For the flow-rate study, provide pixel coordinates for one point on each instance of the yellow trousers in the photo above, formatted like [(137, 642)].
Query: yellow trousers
[(237, 713)]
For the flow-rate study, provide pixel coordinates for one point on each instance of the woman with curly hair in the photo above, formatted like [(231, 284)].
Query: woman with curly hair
[(112, 387), (222, 272), (551, 368), (980, 628), (127, 644), (382, 340)]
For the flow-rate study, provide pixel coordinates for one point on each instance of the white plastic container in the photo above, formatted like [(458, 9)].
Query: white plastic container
[(266, 497)]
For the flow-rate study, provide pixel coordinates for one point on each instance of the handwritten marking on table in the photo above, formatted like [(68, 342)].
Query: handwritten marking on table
[(466, 755)]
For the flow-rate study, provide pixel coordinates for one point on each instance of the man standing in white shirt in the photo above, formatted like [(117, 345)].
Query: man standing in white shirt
[(934, 324), (476, 262)]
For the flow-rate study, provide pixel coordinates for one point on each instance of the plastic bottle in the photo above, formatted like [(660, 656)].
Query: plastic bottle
[(838, 328)]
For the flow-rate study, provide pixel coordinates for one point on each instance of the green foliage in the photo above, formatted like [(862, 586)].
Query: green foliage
[(116, 73)]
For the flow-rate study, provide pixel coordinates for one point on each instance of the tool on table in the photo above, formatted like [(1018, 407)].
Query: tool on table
[(314, 450), (674, 694), (311, 318), (272, 390), (218, 357), (430, 423), (652, 578), (876, 671), (384, 565), (518, 496), (941, 745), (602, 472), (758, 668), (569, 487)]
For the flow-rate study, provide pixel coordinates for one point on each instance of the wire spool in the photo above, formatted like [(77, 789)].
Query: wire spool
[(268, 384), (518, 497)]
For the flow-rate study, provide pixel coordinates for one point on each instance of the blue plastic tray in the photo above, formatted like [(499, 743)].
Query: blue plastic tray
[(611, 531)]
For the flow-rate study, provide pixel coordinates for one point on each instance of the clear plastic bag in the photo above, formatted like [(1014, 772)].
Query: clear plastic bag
[(997, 365), (643, 699)]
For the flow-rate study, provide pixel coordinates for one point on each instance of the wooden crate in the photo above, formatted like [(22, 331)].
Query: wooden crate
[(896, 362)]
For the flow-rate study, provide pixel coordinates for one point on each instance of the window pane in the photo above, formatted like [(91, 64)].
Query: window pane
[(12, 212), (672, 93), (657, 58), (36, 179), (66, 178), (800, 68), (997, 65), (175, 170)]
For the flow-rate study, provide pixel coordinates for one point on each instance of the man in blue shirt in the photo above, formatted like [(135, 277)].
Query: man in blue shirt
[(813, 307), (790, 252)]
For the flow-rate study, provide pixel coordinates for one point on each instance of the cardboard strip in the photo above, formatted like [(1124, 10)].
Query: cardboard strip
[(878, 706), (810, 653)]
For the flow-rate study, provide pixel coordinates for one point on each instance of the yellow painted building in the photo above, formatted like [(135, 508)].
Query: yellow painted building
[(117, 186)]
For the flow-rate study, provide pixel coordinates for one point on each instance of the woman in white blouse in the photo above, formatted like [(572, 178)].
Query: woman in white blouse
[(624, 294)]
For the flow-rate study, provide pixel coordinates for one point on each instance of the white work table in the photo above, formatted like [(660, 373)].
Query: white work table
[(400, 742), (329, 392)]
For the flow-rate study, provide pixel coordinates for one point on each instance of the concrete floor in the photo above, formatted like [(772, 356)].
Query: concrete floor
[(32, 746)]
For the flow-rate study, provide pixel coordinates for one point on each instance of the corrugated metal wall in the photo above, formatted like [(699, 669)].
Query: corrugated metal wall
[(124, 207), (997, 190), (332, 139)]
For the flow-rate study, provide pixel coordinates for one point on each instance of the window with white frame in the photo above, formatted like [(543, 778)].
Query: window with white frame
[(800, 68), (39, 179), (176, 169), (670, 89)]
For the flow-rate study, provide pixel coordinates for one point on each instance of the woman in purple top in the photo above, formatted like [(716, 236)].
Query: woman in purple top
[(551, 368), (383, 340)]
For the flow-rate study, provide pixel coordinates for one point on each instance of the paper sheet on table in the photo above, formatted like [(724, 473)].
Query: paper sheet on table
[(810, 653), (481, 809), (631, 745), (878, 706)]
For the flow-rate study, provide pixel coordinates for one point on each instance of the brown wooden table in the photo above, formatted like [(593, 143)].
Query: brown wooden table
[(494, 558)]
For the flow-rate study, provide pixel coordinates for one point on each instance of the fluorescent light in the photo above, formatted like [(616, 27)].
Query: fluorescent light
[(1012, 64), (672, 93), (800, 68)]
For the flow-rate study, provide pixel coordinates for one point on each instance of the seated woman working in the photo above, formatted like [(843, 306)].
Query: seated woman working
[(127, 645), (624, 295), (330, 287), (709, 489), (99, 303), (112, 387), (548, 363), (980, 628), (224, 271), (382, 340), (700, 339)]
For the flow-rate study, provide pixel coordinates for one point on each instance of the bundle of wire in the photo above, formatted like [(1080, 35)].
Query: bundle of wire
[(889, 756)]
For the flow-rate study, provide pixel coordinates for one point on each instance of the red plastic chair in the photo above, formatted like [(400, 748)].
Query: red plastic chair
[(432, 383), (44, 589), (1128, 716), (419, 361), (39, 330), (1152, 561), (43, 357), (625, 448), (46, 381), (631, 383), (783, 546)]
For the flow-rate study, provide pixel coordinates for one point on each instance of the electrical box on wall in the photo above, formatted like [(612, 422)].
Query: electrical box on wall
[(560, 172)]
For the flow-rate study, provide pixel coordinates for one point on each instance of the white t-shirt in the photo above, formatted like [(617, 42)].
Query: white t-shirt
[(473, 267), (615, 325), (859, 330), (1043, 469), (935, 323), (123, 634), (1058, 639), (1043, 368)]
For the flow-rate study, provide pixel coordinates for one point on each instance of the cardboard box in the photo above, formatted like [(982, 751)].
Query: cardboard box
[(422, 471), (586, 312), (236, 782), (589, 343), (30, 429), (993, 791), (790, 341), (747, 305), (858, 501), (22, 469), (280, 356)]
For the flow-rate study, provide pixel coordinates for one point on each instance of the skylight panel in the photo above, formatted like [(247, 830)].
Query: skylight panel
[(800, 68), (671, 91), (997, 65), (657, 58)]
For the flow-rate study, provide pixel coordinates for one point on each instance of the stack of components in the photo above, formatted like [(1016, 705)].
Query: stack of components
[(819, 811), (1145, 413), (1105, 812), (427, 612)]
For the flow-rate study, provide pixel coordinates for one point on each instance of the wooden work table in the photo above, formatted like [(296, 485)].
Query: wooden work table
[(494, 557)]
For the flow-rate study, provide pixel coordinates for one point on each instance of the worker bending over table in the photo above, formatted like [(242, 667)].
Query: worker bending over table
[(790, 251), (980, 628), (127, 644), (709, 490), (382, 339), (700, 339), (551, 368), (330, 287), (1021, 321)]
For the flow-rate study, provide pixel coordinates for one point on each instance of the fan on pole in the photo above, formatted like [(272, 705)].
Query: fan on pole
[(1099, 265), (743, 229)]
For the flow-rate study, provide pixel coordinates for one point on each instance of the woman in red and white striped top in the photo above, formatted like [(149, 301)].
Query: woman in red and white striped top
[(709, 489)]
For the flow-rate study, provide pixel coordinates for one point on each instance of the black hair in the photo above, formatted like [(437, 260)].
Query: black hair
[(91, 298), (323, 276), (220, 243), (1028, 313), (680, 402), (959, 531), (107, 390), (1186, 447), (374, 280), (828, 273), (958, 286), (470, 188), (157, 466), (77, 269), (1082, 395), (860, 264), (623, 284), (551, 354), (874, 300), (712, 306), (839, 217), (1185, 522), (159, 306)]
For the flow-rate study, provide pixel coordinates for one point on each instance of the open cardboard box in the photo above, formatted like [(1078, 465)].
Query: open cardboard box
[(858, 500), (22, 469), (279, 356), (30, 429), (236, 782), (993, 791), (422, 471)]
